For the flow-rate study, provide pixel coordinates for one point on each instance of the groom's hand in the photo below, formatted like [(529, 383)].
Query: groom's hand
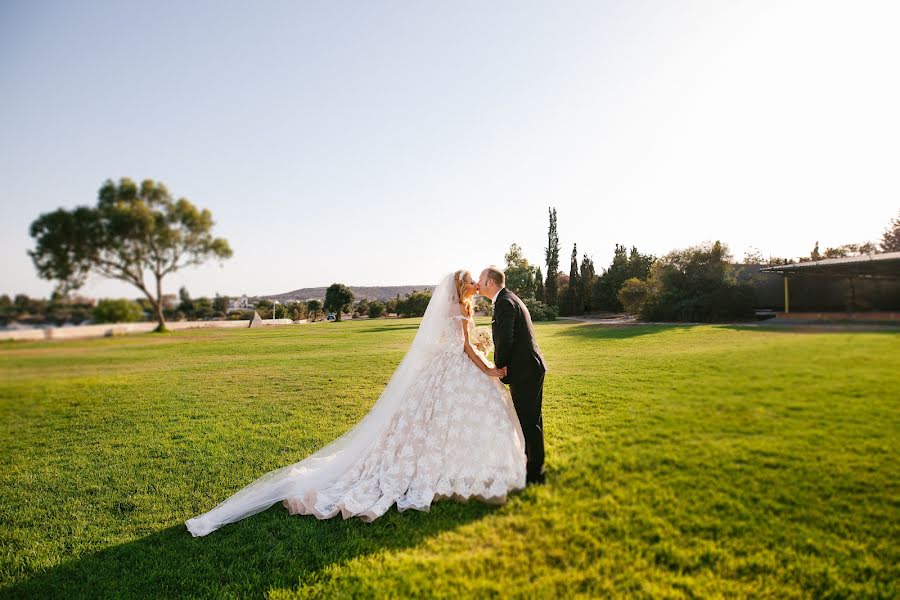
[(502, 372)]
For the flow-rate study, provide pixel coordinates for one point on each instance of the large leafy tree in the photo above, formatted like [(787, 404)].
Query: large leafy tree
[(551, 254), (519, 274), (134, 230), (338, 299)]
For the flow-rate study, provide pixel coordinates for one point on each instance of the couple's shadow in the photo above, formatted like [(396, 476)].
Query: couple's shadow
[(248, 558)]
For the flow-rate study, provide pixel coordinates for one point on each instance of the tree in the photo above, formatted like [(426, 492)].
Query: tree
[(890, 239), (132, 230), (282, 311), (632, 295), (265, 308), (573, 302), (220, 303), (624, 266), (117, 311), (414, 304), (519, 274), (586, 283), (551, 254), (296, 310), (338, 299), (484, 306), (314, 310), (539, 294), (376, 309), (390, 307), (361, 308), (696, 284)]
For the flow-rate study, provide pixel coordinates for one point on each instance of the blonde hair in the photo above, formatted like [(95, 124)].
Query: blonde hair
[(468, 303)]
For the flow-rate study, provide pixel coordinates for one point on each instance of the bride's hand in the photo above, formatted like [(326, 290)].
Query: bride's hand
[(499, 373)]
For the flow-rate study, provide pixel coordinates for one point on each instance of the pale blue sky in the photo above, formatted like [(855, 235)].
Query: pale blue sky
[(390, 142)]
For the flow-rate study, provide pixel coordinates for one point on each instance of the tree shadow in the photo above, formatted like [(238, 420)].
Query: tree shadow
[(387, 328), (815, 327), (270, 550), (612, 332)]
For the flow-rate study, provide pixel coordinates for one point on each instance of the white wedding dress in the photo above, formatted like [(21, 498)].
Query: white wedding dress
[(441, 429)]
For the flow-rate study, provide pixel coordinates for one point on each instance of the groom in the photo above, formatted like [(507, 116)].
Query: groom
[(516, 351)]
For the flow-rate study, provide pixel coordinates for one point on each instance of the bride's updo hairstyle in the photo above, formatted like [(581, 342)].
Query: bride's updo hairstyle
[(468, 303)]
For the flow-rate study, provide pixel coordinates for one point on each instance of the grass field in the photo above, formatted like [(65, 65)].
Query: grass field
[(683, 462)]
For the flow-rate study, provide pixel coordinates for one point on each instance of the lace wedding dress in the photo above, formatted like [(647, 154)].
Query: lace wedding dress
[(441, 429)]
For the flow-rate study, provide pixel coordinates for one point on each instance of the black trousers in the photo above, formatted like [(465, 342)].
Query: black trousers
[(527, 396)]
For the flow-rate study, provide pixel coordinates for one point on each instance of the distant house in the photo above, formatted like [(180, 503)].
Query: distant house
[(241, 303)]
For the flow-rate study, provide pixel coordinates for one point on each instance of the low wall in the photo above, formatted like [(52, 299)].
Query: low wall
[(111, 329)]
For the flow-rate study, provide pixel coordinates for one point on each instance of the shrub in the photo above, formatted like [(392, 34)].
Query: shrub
[(414, 304), (696, 284), (540, 311), (117, 311), (632, 294), (376, 309)]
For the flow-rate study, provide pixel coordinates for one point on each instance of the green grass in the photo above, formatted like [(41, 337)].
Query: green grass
[(683, 462)]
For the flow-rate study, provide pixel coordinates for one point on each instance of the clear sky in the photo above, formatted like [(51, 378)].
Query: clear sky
[(391, 142)]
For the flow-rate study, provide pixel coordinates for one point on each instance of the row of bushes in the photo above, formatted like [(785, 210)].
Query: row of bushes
[(697, 284)]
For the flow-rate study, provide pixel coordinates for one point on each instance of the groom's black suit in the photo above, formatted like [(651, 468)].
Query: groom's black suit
[(516, 349)]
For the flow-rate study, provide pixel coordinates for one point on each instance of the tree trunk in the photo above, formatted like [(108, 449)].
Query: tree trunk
[(157, 306)]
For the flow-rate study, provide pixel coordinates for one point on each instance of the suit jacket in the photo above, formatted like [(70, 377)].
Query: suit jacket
[(514, 345)]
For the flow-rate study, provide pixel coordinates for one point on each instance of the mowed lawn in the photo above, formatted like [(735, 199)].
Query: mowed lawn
[(683, 462)]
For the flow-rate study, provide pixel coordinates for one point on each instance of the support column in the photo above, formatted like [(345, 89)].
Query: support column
[(787, 301)]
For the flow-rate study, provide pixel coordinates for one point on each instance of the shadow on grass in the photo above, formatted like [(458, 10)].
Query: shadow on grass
[(814, 327), (269, 550), (612, 332), (387, 328)]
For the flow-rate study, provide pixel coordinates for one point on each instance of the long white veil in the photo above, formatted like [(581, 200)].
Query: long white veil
[(438, 332)]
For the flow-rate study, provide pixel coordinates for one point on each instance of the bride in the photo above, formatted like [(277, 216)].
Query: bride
[(444, 427)]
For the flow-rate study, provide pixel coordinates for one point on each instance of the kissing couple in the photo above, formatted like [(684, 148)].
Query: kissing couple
[(445, 425)]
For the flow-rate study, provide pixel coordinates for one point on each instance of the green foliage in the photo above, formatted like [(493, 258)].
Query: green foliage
[(484, 306), (117, 311), (314, 310), (265, 308), (605, 293), (282, 311), (413, 304), (539, 292), (696, 284), (632, 294), (361, 307), (38, 311), (890, 239), (519, 274), (376, 309), (551, 259), (220, 303), (132, 230), (338, 299), (296, 310), (683, 462), (540, 311), (586, 279), (573, 303)]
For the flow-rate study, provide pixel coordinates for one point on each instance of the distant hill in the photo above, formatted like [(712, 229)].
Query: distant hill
[(380, 292)]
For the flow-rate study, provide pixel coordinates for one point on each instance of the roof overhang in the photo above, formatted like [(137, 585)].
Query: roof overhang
[(868, 266)]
